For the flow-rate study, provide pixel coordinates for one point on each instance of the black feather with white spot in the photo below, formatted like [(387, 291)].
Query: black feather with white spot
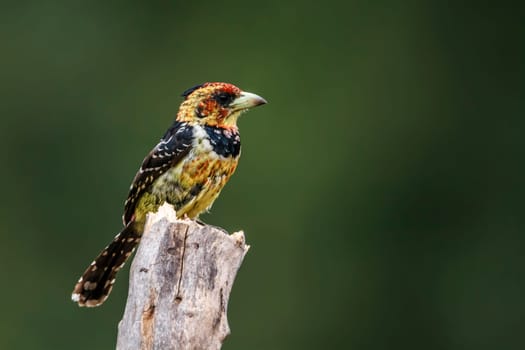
[(97, 281), (225, 142), (175, 144)]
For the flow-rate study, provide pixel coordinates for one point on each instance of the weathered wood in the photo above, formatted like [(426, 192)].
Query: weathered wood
[(180, 282)]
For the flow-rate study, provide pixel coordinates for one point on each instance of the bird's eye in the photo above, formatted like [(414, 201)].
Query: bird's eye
[(224, 99)]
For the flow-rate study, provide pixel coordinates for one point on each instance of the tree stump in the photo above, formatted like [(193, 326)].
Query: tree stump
[(180, 283)]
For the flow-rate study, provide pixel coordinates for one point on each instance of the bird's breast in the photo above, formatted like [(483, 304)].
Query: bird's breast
[(195, 182)]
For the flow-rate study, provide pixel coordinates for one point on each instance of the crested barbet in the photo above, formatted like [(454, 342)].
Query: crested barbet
[(187, 169)]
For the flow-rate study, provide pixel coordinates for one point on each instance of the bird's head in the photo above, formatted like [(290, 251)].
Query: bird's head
[(216, 104)]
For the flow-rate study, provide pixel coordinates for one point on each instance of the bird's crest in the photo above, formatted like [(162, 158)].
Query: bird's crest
[(186, 93)]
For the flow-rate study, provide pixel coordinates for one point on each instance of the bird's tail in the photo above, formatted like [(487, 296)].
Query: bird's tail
[(93, 288)]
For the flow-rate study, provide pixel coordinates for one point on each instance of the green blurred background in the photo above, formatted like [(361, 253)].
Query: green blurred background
[(381, 189)]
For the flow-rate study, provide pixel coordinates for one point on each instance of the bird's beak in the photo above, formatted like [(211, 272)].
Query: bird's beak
[(247, 100)]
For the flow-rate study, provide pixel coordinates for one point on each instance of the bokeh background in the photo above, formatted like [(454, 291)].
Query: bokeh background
[(381, 189)]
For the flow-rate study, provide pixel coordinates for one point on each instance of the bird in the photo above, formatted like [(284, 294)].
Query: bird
[(188, 169)]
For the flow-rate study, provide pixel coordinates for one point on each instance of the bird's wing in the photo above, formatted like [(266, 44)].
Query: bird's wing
[(175, 144)]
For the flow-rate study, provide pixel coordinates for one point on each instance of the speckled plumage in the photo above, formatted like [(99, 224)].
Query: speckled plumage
[(209, 159), (188, 168)]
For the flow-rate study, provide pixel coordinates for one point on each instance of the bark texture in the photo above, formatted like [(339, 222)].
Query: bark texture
[(180, 282)]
